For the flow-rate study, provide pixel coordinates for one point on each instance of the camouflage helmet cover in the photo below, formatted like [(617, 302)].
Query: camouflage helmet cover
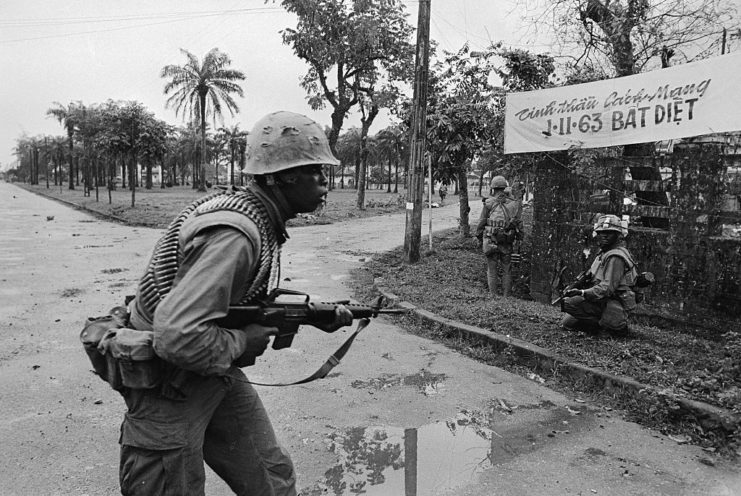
[(498, 182), (611, 223), (283, 140)]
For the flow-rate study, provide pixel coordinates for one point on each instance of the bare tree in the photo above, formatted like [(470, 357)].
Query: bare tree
[(627, 37)]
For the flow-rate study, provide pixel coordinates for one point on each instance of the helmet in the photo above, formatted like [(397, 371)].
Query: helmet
[(498, 182), (611, 223), (283, 140)]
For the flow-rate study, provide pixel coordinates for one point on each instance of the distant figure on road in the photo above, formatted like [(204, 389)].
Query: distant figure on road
[(219, 252), (499, 226), (443, 192), (606, 298)]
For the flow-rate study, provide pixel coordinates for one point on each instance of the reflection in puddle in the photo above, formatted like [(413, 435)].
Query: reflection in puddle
[(382, 461), (437, 459)]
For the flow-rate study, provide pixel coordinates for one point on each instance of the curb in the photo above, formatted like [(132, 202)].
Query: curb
[(535, 357)]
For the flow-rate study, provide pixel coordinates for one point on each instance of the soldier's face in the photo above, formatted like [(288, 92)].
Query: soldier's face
[(306, 188), (607, 238)]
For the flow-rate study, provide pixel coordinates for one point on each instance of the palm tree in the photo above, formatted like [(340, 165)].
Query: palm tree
[(233, 137), (200, 89), (392, 147), (348, 151), (67, 117)]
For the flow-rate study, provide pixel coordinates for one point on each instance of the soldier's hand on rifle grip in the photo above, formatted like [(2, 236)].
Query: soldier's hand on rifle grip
[(258, 338), (573, 292), (342, 317)]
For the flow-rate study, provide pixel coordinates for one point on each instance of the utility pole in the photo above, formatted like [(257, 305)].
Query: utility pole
[(723, 45), (415, 202)]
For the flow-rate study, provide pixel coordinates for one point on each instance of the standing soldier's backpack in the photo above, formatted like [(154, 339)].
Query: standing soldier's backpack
[(500, 227)]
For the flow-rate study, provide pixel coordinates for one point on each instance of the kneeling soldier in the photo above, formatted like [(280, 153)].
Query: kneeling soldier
[(606, 303)]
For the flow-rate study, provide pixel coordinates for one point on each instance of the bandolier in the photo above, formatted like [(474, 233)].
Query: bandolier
[(167, 256)]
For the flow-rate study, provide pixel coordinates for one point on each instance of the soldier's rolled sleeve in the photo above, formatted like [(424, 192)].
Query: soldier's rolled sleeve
[(214, 271)]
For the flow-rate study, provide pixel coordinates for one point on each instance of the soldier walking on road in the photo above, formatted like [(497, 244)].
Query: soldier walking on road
[(220, 252), (443, 192), (499, 226)]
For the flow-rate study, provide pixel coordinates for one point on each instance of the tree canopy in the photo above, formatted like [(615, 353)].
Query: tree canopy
[(364, 45), (626, 37)]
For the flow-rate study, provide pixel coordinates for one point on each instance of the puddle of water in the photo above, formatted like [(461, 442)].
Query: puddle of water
[(381, 461), (437, 458)]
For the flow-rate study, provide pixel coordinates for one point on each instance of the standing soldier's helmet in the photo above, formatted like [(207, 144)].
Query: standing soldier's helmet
[(283, 140), (611, 223), (498, 182)]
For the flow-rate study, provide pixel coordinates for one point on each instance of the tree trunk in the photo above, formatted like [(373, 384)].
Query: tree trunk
[(71, 166), (365, 124), (363, 163), (231, 150), (202, 185), (464, 208), (97, 193), (132, 177)]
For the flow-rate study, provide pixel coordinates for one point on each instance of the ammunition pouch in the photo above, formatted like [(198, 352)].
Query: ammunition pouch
[(122, 357), (504, 234)]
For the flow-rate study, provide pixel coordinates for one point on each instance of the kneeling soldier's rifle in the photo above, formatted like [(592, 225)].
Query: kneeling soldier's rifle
[(287, 316), (581, 282)]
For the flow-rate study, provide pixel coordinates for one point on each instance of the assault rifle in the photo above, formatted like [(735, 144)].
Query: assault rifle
[(288, 315), (581, 282)]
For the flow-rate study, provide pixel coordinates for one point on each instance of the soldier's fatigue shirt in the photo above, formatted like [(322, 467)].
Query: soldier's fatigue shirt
[(221, 257), (607, 288)]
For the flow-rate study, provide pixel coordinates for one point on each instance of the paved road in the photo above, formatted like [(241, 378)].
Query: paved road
[(400, 416)]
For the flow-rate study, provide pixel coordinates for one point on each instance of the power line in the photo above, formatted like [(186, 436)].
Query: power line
[(184, 17), (30, 22)]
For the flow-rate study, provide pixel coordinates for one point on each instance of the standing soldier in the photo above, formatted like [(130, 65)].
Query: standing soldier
[(499, 226), (220, 251), (606, 298)]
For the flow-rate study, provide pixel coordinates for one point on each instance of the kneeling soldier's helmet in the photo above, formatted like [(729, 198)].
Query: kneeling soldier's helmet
[(283, 140), (611, 223), (498, 182)]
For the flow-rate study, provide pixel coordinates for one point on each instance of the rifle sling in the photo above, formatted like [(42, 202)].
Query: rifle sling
[(332, 361)]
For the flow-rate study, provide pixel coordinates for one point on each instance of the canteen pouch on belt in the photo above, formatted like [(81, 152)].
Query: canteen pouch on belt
[(131, 353), (122, 357), (488, 246), (92, 333)]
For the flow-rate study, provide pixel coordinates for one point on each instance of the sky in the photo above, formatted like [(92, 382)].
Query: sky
[(95, 50)]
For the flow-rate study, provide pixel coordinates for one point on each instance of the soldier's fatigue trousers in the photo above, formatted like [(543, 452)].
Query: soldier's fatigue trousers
[(608, 313), (494, 262), (221, 420)]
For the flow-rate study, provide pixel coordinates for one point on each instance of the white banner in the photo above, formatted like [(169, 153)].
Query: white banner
[(677, 102)]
